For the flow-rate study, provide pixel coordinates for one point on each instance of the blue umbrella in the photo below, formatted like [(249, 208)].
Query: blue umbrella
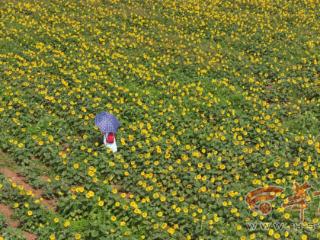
[(106, 122)]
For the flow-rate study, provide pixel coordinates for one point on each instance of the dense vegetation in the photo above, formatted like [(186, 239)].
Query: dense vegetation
[(215, 98)]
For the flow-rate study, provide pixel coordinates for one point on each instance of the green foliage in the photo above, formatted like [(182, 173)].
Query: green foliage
[(215, 99)]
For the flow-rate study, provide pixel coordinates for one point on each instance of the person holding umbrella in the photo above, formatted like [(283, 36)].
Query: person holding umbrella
[(108, 125)]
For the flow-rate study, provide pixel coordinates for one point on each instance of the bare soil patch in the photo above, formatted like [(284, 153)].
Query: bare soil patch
[(20, 180), (7, 212)]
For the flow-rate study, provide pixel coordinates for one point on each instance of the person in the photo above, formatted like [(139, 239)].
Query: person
[(108, 125), (109, 140)]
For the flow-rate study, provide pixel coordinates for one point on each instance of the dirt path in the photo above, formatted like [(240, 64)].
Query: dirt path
[(21, 181), (9, 169), (7, 212)]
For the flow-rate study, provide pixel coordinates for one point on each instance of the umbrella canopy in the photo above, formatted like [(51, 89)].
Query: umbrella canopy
[(106, 122)]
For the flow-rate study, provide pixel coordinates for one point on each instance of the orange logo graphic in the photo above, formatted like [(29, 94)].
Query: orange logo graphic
[(259, 199), (297, 201)]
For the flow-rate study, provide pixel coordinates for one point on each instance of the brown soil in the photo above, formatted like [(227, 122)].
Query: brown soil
[(120, 190), (20, 180), (29, 236), (44, 178), (7, 213)]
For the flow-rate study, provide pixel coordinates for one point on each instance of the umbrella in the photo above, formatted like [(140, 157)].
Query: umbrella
[(106, 122)]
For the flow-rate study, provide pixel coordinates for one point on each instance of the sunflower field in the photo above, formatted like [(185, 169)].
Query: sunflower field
[(216, 98)]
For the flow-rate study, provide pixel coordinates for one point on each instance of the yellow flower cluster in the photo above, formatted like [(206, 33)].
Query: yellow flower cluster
[(215, 98)]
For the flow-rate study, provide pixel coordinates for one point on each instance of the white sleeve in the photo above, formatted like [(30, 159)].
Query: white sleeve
[(104, 139), (114, 147)]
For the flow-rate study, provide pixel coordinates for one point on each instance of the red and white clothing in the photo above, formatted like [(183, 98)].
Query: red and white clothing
[(109, 140)]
